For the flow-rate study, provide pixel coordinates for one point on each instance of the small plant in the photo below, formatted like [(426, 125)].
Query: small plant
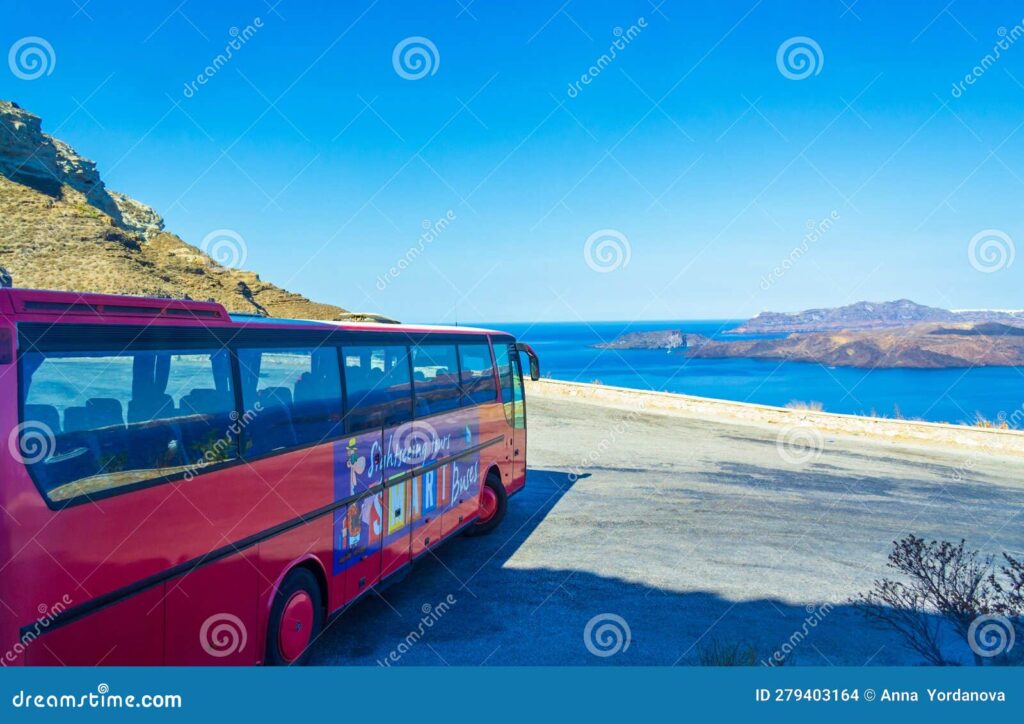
[(983, 422), (732, 653), (945, 583), (718, 653), (812, 406)]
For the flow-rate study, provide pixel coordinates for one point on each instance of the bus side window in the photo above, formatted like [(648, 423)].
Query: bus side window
[(292, 397), (377, 386), (436, 378), (501, 354), (519, 413), (477, 374), (115, 419)]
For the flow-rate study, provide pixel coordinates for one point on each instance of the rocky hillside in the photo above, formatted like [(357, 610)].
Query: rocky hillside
[(867, 315), (61, 228), (922, 346)]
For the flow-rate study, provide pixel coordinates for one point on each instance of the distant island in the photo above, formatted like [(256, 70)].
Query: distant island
[(869, 315), (668, 339), (898, 334)]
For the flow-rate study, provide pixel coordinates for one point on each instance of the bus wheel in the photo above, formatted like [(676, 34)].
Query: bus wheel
[(493, 505), (296, 618)]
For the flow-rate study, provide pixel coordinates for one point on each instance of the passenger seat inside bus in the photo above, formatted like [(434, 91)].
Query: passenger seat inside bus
[(204, 417), (45, 414), (313, 417), (98, 412), (154, 434), (272, 427)]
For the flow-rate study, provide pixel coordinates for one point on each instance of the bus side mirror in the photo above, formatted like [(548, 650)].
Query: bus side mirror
[(532, 356)]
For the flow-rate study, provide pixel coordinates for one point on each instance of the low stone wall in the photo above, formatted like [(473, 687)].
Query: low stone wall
[(951, 438)]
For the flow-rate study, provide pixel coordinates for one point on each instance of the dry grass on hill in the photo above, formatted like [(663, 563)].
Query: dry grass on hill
[(64, 243)]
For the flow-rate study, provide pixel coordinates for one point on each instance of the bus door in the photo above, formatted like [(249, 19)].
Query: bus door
[(377, 393), (518, 426), (398, 503), (358, 527)]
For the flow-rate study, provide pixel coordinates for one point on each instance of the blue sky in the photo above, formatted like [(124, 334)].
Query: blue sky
[(707, 162)]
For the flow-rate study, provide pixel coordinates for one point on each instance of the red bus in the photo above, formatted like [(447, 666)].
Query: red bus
[(184, 486)]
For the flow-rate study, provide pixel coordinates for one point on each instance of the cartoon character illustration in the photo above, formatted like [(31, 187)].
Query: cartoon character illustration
[(353, 525), (356, 464)]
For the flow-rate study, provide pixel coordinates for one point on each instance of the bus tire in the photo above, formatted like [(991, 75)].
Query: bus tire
[(296, 618), (493, 506)]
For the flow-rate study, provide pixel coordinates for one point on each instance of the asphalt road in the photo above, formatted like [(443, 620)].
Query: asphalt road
[(694, 536)]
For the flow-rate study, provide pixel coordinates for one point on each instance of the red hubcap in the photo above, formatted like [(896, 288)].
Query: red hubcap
[(296, 625), (488, 504)]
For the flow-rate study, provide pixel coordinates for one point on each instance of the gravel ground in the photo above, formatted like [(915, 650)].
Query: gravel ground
[(692, 536)]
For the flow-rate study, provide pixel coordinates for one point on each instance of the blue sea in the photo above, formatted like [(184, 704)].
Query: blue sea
[(954, 395)]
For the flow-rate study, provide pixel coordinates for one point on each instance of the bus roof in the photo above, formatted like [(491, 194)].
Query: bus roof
[(120, 309)]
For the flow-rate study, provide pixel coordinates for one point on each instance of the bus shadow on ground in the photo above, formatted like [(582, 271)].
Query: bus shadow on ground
[(468, 605)]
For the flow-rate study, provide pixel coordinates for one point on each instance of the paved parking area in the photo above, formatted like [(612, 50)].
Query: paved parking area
[(689, 534)]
